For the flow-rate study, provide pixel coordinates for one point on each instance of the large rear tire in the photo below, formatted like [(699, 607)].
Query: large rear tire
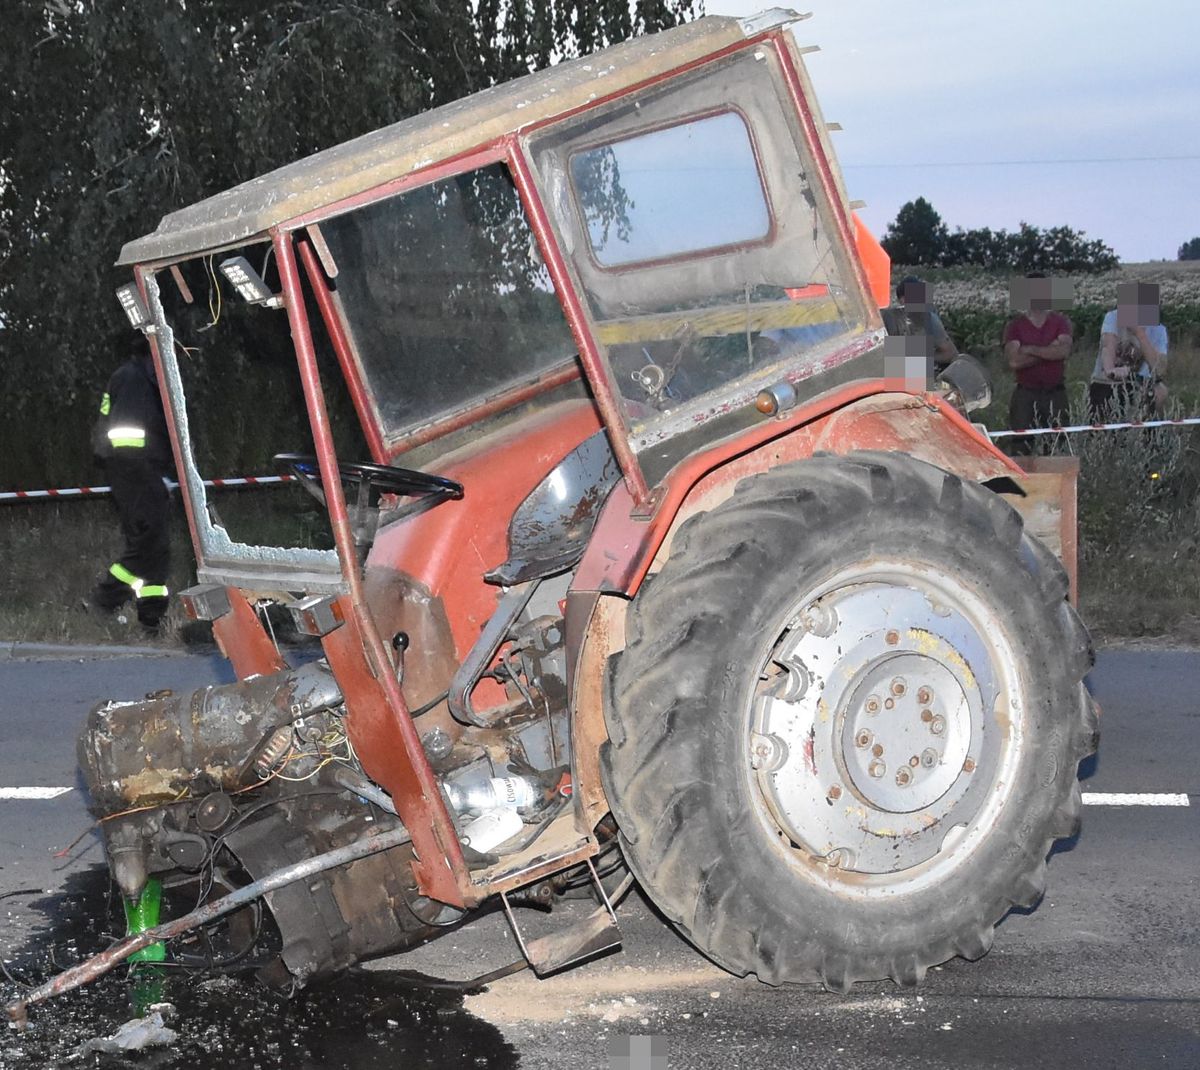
[(845, 729)]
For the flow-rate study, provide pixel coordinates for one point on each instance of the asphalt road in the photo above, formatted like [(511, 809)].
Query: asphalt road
[(1105, 973)]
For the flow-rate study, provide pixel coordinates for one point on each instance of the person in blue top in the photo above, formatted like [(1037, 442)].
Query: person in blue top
[(1132, 362)]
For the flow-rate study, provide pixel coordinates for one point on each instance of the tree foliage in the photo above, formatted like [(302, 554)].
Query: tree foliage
[(1190, 250), (918, 237), (118, 111)]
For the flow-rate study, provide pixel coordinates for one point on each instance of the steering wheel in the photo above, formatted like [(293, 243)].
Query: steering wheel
[(372, 481)]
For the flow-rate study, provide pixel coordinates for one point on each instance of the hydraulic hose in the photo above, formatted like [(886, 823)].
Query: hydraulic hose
[(100, 964)]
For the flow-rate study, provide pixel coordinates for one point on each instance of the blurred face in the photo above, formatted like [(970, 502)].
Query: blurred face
[(1137, 304), (915, 293), (1040, 295)]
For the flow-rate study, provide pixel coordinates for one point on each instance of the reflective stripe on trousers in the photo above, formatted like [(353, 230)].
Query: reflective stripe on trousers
[(140, 588)]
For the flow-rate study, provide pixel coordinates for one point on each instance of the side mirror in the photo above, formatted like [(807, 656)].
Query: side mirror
[(965, 383)]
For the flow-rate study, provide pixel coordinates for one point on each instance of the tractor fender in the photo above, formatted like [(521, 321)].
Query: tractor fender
[(626, 547), (627, 538)]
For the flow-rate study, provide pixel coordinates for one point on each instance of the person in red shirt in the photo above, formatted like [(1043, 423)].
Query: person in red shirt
[(1037, 344)]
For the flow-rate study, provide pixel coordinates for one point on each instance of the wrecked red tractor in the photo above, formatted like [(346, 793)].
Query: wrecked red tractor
[(637, 551)]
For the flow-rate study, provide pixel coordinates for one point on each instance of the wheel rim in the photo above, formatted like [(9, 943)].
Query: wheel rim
[(885, 729)]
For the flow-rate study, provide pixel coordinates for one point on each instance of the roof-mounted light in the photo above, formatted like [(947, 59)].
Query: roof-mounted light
[(135, 308), (249, 283)]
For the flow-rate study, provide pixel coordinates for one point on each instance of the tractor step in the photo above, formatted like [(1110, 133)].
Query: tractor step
[(596, 933)]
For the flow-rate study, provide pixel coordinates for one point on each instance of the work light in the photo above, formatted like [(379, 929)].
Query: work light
[(248, 282), (134, 307)]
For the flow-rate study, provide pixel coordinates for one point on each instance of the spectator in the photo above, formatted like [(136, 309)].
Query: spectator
[(1036, 343), (1132, 359), (914, 314)]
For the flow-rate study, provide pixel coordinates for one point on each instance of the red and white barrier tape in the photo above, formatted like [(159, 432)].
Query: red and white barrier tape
[(93, 492), (1074, 428), (255, 481)]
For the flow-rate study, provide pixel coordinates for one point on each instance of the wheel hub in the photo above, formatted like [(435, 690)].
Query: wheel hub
[(905, 732), (873, 738)]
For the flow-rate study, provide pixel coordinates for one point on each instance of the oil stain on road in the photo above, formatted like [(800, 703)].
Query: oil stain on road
[(361, 1020)]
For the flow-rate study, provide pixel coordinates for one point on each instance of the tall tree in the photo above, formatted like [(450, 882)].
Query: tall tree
[(917, 235), (1190, 250), (116, 111)]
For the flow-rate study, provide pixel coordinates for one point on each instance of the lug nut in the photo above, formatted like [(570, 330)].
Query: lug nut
[(835, 792), (819, 619), (889, 703), (872, 705), (929, 758), (767, 752), (898, 686), (924, 696), (892, 638), (914, 761), (969, 765), (927, 716), (938, 725), (863, 738), (877, 769), (877, 750), (903, 777)]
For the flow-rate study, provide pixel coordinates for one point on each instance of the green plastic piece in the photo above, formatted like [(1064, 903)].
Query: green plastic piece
[(149, 988), (142, 914)]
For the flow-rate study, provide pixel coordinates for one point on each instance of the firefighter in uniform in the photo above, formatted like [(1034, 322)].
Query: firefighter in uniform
[(131, 441)]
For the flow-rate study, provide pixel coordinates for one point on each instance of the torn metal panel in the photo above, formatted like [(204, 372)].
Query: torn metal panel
[(1049, 509)]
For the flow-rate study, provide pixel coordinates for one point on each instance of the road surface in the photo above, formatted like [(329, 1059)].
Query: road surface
[(1105, 973)]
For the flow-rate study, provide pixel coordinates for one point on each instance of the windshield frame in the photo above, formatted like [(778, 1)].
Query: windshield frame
[(219, 557), (514, 152), (831, 206), (394, 443)]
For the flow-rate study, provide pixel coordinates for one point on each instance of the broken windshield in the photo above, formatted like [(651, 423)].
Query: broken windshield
[(447, 301), (237, 397)]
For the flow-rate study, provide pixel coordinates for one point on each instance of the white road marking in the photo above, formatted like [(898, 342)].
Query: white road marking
[(32, 793), (1119, 798)]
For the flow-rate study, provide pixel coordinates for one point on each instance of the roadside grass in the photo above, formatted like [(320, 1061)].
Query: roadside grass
[(1139, 511), (54, 553)]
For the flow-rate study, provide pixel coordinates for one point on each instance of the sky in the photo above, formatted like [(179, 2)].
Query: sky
[(996, 112)]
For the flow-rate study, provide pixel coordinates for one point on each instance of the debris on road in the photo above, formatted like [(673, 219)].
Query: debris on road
[(135, 1035)]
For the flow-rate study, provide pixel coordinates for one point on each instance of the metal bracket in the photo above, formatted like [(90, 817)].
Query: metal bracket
[(206, 601), (509, 606), (646, 509), (597, 933), (771, 19)]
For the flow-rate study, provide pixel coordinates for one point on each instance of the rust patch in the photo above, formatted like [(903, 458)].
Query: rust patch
[(604, 635)]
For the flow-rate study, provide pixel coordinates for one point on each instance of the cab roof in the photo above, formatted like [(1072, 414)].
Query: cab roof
[(252, 208)]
